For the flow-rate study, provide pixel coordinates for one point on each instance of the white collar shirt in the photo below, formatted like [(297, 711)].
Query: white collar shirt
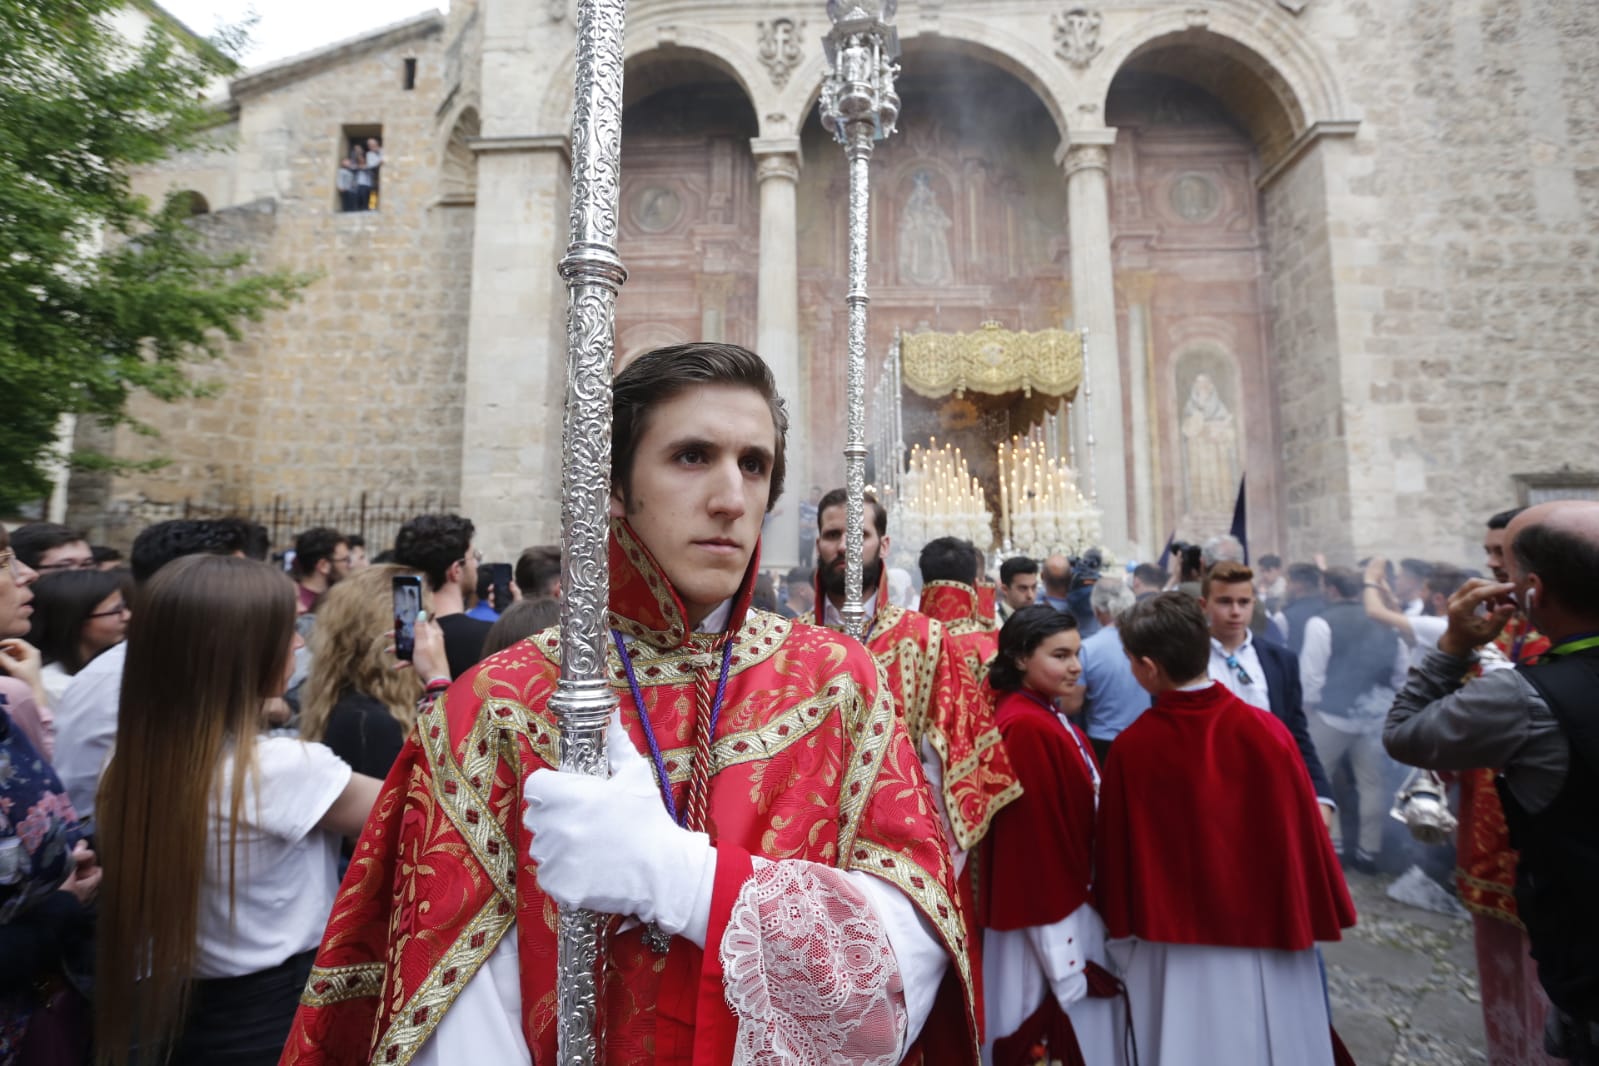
[(831, 616), (1254, 690)]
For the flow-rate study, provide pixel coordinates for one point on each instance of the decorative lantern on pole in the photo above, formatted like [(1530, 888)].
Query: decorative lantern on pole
[(583, 700), (859, 107)]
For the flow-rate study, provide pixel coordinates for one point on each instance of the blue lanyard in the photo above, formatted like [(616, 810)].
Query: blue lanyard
[(1238, 668), (649, 730)]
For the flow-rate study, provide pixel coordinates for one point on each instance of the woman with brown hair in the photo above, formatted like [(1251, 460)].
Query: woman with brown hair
[(220, 844), (355, 701)]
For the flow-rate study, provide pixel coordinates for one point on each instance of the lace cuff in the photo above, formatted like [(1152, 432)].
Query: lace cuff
[(809, 971)]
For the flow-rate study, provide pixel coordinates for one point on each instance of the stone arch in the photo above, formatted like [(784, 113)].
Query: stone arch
[(650, 46), (1279, 99), (193, 201), (1016, 55), (458, 169)]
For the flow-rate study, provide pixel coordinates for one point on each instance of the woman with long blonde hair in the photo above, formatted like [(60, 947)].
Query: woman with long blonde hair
[(355, 701), (220, 844)]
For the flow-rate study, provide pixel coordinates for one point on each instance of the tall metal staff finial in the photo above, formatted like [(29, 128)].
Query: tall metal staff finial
[(583, 699), (858, 106)]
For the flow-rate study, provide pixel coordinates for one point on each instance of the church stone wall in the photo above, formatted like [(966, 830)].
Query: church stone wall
[(1429, 196), (357, 386), (1462, 224)]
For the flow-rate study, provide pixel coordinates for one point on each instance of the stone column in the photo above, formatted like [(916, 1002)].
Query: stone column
[(777, 168), (1144, 431), (714, 289), (516, 348), (1086, 158)]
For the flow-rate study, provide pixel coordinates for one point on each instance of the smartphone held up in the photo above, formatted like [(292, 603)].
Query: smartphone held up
[(407, 590)]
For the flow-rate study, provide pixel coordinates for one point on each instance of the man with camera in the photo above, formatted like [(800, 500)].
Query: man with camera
[(1537, 724)]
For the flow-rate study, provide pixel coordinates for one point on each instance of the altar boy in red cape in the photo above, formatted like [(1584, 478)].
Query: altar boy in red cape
[(1213, 872), (775, 864)]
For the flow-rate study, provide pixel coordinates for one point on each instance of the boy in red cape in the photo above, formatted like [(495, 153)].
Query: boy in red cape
[(1214, 873)]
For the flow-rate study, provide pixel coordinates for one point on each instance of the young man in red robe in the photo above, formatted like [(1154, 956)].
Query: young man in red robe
[(951, 568), (774, 865), (1213, 871)]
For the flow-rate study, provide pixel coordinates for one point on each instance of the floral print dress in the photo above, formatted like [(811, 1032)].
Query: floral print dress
[(38, 829)]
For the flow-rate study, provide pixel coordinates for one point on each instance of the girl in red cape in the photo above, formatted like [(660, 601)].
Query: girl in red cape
[(1043, 941)]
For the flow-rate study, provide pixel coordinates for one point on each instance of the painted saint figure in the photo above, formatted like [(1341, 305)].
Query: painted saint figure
[(1210, 449), (924, 237)]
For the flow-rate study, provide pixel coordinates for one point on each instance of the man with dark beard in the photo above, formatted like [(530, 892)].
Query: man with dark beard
[(949, 721)]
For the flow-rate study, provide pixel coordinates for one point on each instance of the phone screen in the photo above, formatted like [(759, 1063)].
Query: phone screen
[(407, 605), (501, 574)]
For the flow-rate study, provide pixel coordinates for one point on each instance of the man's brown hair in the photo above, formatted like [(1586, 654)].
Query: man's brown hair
[(1171, 629), (660, 375), (1226, 572)]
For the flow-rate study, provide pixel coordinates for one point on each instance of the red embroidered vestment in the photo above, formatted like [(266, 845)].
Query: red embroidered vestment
[(808, 762)]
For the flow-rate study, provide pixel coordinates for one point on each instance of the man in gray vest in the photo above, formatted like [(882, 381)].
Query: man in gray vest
[(1350, 667), (1540, 726)]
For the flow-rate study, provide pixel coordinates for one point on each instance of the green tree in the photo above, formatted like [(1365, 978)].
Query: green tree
[(102, 293)]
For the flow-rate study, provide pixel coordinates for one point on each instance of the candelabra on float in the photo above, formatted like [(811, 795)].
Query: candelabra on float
[(1041, 509), (941, 498)]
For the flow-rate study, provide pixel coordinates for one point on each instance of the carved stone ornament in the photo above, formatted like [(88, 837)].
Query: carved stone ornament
[(1077, 35), (1295, 6), (780, 47)]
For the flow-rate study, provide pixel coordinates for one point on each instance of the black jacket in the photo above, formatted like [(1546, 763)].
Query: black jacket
[(1287, 703)]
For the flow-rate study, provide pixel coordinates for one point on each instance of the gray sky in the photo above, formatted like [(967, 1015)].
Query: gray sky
[(289, 27)]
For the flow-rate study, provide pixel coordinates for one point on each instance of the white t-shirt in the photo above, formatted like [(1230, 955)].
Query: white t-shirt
[(1427, 630), (288, 870), (55, 680), (86, 725)]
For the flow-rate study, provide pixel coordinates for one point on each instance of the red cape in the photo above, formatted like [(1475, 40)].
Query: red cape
[(1037, 860), (1209, 831)]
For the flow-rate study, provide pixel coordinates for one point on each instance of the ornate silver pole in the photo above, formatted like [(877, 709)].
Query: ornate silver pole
[(858, 106), (583, 699)]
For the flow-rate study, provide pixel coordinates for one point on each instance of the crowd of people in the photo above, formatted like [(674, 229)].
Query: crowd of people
[(1067, 814)]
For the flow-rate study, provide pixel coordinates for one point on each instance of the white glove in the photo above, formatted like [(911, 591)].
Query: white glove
[(607, 844)]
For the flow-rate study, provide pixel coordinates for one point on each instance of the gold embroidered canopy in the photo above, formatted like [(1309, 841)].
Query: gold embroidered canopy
[(992, 360)]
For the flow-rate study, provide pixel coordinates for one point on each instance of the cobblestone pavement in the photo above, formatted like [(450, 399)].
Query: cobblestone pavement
[(1404, 983)]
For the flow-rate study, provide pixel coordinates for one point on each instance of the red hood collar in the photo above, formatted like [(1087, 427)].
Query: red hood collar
[(645, 606), (1194, 699), (949, 601)]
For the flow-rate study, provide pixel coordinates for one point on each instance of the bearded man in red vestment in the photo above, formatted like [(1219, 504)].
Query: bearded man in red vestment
[(774, 864), (950, 722), (951, 569)]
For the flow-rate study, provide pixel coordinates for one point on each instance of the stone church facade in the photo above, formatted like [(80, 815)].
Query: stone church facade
[(1347, 248)]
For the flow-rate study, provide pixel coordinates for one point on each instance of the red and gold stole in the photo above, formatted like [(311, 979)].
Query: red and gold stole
[(809, 762)]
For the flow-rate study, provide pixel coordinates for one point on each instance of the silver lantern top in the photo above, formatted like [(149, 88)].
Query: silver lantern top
[(861, 50)]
